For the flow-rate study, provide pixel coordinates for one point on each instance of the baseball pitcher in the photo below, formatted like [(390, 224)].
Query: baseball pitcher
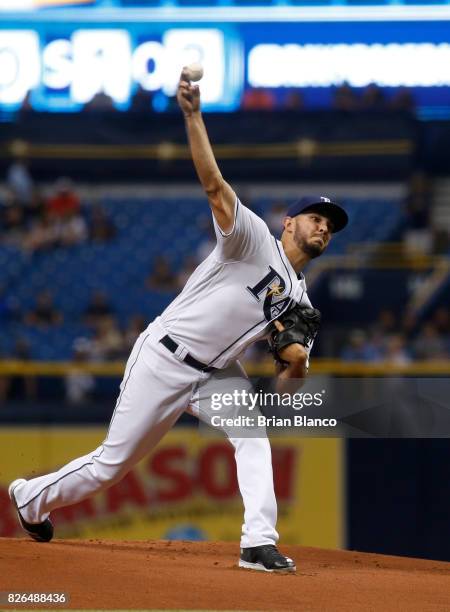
[(242, 292)]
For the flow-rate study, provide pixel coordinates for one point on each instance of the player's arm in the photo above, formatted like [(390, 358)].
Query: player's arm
[(289, 376), (221, 197)]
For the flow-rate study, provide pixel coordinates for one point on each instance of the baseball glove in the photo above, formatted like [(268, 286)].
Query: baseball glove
[(301, 325)]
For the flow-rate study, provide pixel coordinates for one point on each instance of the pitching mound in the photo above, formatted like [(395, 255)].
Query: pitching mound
[(203, 576)]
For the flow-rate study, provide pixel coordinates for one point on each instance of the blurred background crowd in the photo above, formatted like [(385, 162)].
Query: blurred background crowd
[(342, 98), (44, 224)]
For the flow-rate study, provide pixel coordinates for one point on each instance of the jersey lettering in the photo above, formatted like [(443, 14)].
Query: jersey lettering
[(274, 286)]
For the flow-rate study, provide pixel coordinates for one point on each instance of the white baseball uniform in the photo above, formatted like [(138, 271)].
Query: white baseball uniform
[(227, 304)]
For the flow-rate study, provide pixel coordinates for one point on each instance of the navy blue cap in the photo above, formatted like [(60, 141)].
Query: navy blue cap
[(323, 206)]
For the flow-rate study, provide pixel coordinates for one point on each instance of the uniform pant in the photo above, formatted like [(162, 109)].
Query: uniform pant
[(156, 389)]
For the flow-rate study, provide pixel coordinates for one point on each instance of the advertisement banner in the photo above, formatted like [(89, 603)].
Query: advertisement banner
[(185, 489), (63, 59)]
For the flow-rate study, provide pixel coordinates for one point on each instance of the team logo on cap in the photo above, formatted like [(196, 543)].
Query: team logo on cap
[(325, 200)]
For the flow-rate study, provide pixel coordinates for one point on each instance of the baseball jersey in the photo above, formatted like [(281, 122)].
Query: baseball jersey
[(232, 297)]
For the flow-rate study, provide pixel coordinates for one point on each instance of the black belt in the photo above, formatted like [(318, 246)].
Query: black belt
[(172, 346)]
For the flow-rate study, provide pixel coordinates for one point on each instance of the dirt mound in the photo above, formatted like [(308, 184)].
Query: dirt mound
[(203, 576)]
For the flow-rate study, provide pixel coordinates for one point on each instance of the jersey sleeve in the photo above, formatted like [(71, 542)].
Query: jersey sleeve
[(246, 237)]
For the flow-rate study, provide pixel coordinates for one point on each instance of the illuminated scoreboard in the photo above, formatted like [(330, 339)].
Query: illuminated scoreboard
[(66, 71), (60, 58)]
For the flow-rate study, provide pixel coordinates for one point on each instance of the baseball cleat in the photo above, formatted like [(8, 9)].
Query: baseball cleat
[(266, 558), (41, 532)]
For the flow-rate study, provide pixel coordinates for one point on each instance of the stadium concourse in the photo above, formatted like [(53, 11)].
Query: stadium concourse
[(203, 576)]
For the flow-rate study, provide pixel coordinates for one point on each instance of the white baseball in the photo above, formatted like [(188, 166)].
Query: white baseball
[(194, 71)]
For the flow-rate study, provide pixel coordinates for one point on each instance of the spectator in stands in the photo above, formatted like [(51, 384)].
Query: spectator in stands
[(429, 344), (101, 229), (441, 320), (345, 98), (72, 230), (135, 326), (79, 383), (441, 241), (396, 351), (45, 313), (65, 200), (418, 235), (64, 212), (403, 100), (20, 385), (26, 107), (142, 101), (385, 324), (99, 309), (43, 234), (408, 322), (22, 349), (108, 342), (258, 99), (294, 100), (377, 343), (100, 103), (13, 224), (5, 380), (359, 348), (19, 180), (372, 98), (36, 207), (27, 383), (4, 306), (161, 278)]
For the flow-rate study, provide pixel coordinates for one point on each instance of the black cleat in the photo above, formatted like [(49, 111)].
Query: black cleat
[(266, 558), (41, 532)]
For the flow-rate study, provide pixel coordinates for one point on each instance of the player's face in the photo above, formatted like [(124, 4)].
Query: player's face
[(312, 233)]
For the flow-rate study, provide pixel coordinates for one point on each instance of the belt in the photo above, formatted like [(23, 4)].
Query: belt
[(173, 347)]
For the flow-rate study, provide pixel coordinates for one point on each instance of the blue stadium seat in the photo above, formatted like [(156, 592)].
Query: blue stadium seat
[(120, 267)]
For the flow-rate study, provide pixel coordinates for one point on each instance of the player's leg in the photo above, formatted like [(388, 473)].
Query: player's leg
[(252, 453), (255, 477), (254, 472), (154, 392)]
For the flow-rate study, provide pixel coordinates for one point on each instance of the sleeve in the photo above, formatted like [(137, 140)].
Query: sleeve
[(246, 237)]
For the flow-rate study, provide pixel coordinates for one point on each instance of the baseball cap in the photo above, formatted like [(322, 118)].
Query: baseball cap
[(322, 205)]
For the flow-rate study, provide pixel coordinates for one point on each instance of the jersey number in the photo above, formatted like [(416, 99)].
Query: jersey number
[(273, 285)]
